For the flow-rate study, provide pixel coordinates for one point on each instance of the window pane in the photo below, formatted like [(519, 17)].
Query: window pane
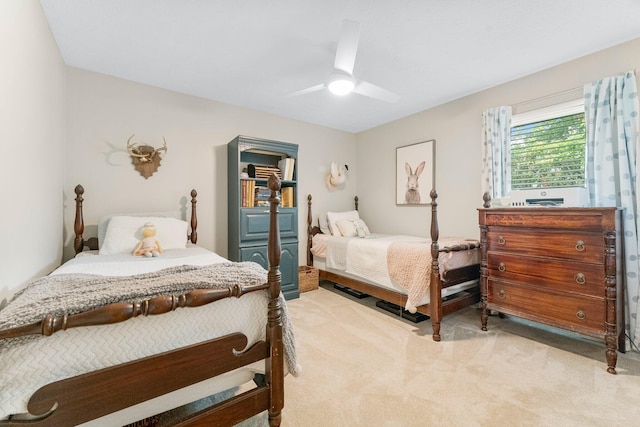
[(549, 153)]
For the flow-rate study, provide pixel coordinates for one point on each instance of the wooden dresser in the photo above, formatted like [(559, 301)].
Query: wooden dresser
[(557, 266)]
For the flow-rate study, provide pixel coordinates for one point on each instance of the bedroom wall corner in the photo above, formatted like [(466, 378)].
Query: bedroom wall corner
[(32, 145)]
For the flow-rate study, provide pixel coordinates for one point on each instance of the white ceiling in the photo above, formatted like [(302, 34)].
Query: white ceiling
[(252, 53)]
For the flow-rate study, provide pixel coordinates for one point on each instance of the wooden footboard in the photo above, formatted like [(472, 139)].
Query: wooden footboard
[(86, 397), (438, 307)]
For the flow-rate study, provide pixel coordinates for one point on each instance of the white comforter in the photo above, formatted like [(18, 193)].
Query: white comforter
[(25, 368), (367, 257), (126, 265)]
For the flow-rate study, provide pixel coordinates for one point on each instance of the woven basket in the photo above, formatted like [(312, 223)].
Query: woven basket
[(307, 278)]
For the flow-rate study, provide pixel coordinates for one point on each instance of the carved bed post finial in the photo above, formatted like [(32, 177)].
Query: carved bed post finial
[(78, 225), (193, 237)]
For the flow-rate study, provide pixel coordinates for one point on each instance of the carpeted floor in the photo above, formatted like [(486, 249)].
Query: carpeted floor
[(362, 366)]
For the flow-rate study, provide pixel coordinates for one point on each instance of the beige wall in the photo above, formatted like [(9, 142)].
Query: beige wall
[(104, 111), (456, 127), (31, 145)]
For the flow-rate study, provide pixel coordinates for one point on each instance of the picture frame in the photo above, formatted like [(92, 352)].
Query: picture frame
[(415, 165)]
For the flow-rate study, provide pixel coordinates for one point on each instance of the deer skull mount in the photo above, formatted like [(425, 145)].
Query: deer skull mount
[(145, 158)]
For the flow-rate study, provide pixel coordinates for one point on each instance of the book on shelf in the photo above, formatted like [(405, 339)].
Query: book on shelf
[(287, 197), (247, 193), (262, 195), (286, 167), (263, 171)]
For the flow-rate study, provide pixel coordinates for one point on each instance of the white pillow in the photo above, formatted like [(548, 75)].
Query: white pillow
[(355, 228), (346, 227), (124, 233), (103, 222), (324, 225), (361, 228), (333, 217)]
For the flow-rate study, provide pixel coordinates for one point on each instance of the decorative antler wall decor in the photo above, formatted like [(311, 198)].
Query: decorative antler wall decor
[(145, 158)]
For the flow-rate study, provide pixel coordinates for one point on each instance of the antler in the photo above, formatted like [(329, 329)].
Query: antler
[(163, 148), (131, 148), (150, 151)]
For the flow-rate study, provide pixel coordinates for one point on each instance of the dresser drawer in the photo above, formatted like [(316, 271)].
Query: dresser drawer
[(550, 273), (572, 245), (570, 311), (584, 219)]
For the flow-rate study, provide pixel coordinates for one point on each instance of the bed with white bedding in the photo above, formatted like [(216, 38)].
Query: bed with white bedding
[(396, 268), (367, 258), (184, 338)]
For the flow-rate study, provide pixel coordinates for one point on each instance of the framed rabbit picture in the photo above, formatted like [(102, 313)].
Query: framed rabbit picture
[(415, 173)]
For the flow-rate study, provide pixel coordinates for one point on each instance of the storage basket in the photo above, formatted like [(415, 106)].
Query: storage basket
[(307, 278)]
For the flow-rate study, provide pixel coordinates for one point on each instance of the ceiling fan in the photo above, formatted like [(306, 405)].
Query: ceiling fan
[(341, 82)]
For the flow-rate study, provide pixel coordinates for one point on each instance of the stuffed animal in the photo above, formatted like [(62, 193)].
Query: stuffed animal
[(148, 246)]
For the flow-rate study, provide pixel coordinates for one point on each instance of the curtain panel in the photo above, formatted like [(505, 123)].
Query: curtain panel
[(611, 118), (496, 151)]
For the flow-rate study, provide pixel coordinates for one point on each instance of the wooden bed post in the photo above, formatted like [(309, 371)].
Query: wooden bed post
[(275, 362), (484, 283), (78, 225), (435, 302), (193, 237), (309, 232)]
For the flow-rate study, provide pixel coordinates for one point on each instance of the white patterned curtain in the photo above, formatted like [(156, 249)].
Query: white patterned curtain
[(611, 117), (496, 151)]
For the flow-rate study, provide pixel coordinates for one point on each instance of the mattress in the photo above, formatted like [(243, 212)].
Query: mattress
[(25, 368)]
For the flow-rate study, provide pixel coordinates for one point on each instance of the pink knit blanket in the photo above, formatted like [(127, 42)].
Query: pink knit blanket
[(409, 265)]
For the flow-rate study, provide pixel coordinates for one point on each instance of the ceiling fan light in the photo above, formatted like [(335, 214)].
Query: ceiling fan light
[(341, 86)]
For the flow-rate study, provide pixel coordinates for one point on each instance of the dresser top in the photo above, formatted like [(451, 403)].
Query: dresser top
[(548, 209)]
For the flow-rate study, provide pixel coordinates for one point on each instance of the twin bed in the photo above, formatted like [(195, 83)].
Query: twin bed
[(112, 339), (432, 277)]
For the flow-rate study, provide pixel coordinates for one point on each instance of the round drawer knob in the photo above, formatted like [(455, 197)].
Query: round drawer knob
[(580, 246), (502, 293), (580, 315), (580, 279), (501, 240), (502, 267)]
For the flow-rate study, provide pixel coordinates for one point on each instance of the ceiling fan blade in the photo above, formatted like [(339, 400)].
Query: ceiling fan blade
[(307, 90), (376, 92), (347, 46)]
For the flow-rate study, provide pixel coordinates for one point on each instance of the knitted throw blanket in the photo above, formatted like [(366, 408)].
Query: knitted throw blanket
[(76, 293), (409, 264)]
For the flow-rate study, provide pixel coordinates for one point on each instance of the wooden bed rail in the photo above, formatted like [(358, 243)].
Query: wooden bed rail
[(121, 311)]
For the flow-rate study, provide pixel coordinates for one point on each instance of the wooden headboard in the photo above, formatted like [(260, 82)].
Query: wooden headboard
[(92, 243)]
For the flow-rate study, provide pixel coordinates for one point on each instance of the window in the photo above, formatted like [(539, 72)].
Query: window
[(548, 147)]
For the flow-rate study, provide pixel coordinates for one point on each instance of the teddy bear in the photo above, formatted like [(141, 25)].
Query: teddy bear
[(148, 246)]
